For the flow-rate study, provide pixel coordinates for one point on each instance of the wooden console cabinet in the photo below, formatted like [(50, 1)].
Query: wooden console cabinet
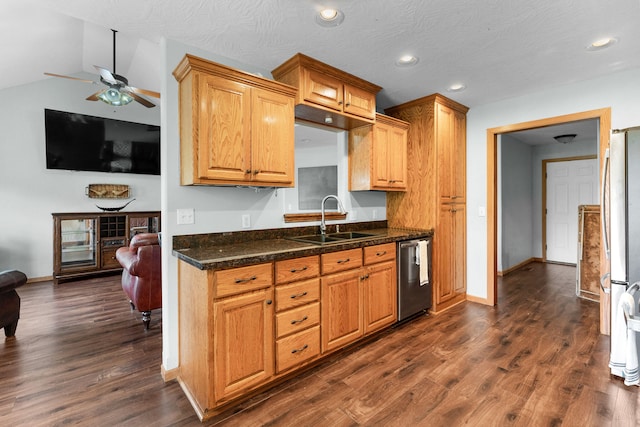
[(86, 243)]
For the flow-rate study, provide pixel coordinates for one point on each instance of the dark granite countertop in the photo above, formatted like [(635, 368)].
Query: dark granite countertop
[(228, 250)]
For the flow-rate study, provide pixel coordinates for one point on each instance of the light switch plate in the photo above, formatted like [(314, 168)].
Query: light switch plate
[(185, 216), (246, 221), (482, 211)]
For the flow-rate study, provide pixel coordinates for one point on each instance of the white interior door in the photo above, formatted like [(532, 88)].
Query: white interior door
[(569, 184)]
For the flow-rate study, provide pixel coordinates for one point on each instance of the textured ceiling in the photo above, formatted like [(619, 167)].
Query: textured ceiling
[(497, 48)]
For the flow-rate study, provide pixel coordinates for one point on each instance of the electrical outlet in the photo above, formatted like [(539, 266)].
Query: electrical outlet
[(185, 216), (246, 221), (374, 214)]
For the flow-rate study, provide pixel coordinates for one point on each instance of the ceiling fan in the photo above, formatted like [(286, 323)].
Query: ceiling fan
[(118, 92)]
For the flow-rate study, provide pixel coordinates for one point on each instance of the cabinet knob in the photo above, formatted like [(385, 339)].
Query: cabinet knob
[(269, 302), (248, 171), (256, 171)]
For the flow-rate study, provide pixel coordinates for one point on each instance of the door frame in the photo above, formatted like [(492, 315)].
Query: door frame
[(544, 195), (604, 117)]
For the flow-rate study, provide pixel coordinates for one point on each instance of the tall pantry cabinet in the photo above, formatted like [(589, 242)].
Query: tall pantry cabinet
[(436, 189)]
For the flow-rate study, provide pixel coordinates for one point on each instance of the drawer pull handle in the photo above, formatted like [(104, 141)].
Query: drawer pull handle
[(298, 270), (381, 253), (297, 350), (294, 321), (342, 261), (294, 296), (246, 280)]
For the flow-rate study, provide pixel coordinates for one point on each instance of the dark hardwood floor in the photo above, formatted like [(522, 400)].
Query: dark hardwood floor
[(81, 357)]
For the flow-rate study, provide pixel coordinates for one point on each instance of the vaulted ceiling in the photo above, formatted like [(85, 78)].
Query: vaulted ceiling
[(498, 49)]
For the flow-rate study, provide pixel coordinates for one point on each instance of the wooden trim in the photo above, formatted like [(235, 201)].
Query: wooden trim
[(519, 265), (169, 374), (478, 300), (314, 216), (544, 195), (602, 114)]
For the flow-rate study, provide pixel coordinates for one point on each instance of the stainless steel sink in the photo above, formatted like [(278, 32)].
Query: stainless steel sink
[(350, 235), (323, 239)]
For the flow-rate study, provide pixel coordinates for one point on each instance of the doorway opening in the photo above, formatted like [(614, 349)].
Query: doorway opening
[(604, 120)]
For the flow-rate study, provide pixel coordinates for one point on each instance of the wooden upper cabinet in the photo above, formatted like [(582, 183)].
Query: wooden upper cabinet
[(378, 156), (451, 149), (328, 95), (235, 128)]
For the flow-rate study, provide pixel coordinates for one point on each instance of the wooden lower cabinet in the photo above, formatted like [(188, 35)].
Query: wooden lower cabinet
[(243, 342), (449, 247), (380, 296), (243, 328), (342, 321)]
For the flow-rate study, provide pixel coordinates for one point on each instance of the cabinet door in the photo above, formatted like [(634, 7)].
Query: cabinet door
[(459, 252), (380, 152), (451, 154), (359, 102), (243, 342), (380, 296), (322, 90), (272, 137), (397, 158), (449, 249), (341, 309), (224, 142)]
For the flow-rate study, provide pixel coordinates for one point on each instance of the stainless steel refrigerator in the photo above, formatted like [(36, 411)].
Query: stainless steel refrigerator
[(624, 237)]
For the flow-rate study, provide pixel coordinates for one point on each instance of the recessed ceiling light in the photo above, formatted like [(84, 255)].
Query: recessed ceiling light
[(407, 61), (602, 43), (456, 87), (329, 17)]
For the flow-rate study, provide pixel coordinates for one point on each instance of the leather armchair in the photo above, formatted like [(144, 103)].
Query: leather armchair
[(142, 274), (9, 300)]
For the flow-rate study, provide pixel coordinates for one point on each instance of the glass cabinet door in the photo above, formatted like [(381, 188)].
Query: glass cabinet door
[(77, 243)]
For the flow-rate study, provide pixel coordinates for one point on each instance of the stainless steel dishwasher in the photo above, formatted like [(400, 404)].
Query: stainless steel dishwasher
[(414, 285)]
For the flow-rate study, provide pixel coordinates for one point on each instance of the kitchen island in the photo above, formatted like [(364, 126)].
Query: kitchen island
[(257, 307)]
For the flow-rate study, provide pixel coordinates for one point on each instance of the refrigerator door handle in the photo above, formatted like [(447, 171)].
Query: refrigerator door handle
[(603, 211)]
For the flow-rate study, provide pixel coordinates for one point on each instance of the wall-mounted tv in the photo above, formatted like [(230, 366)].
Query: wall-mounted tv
[(87, 143)]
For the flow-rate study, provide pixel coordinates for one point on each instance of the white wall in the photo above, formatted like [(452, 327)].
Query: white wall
[(516, 195), (620, 91), (29, 193), (219, 209)]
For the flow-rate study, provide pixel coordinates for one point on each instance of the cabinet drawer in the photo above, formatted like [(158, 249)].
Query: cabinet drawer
[(243, 279), (339, 261), (297, 348), (108, 258), (379, 253), (296, 294), (297, 319), (297, 269)]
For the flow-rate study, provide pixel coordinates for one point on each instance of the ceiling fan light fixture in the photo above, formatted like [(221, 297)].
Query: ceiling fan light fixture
[(113, 96), (329, 17), (565, 139)]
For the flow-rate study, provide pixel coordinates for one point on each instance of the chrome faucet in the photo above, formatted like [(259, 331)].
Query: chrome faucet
[(323, 226)]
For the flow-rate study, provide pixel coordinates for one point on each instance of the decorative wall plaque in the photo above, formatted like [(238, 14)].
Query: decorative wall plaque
[(108, 191)]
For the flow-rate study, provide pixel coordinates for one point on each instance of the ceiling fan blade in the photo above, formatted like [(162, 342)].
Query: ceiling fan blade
[(106, 75), (141, 99), (94, 97), (144, 91), (71, 78)]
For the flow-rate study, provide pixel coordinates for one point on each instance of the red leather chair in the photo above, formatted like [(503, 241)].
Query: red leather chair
[(142, 274), (9, 300)]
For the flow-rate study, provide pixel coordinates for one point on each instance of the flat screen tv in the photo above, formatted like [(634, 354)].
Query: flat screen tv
[(87, 143)]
